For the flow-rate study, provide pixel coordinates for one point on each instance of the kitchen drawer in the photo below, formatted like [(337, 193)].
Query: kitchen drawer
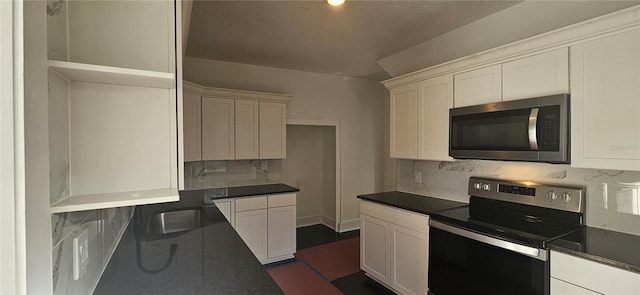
[(253, 203), (593, 276), (282, 200), (404, 218)]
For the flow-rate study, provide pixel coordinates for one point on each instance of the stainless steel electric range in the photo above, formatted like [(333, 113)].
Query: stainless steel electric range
[(498, 244)]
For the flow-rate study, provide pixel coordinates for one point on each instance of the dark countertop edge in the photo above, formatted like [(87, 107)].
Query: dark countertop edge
[(246, 191), (220, 217), (557, 245), (371, 198)]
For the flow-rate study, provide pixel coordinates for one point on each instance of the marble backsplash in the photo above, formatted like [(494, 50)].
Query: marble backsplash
[(105, 227), (449, 180), (214, 174)]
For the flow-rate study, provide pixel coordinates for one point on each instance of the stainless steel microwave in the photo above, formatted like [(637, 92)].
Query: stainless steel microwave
[(533, 130)]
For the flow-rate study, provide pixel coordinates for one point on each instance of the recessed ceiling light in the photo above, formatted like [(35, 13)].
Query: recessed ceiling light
[(335, 2)]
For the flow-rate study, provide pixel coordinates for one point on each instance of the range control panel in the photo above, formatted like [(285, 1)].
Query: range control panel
[(561, 197)]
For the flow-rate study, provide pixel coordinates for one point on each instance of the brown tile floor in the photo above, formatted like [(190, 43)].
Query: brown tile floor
[(354, 284)]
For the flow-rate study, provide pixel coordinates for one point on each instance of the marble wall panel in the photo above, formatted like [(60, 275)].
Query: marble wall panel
[(214, 174), (105, 228), (448, 180), (57, 35)]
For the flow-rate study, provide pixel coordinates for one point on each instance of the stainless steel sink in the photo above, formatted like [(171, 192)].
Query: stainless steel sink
[(175, 221)]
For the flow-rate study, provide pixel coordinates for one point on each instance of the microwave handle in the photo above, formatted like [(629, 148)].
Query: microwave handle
[(533, 133)]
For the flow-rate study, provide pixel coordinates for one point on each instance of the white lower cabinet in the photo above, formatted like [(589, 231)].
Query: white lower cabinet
[(573, 275), (267, 224), (252, 227), (559, 287), (281, 223), (394, 247), (375, 244)]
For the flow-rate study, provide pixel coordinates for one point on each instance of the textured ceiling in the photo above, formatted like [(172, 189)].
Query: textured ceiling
[(312, 36)]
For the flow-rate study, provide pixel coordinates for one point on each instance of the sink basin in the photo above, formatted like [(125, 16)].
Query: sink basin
[(175, 221)]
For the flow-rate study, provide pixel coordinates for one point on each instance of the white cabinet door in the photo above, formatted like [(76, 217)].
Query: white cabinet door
[(435, 98), (605, 102), (559, 287), (404, 122), (192, 127), (252, 228), (375, 243), (537, 75), (409, 255), (246, 123), (218, 136), (478, 86), (273, 123), (282, 231)]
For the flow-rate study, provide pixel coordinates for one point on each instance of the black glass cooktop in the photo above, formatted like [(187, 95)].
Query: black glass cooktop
[(522, 224)]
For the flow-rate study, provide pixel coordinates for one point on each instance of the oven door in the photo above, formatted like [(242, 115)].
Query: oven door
[(465, 262)]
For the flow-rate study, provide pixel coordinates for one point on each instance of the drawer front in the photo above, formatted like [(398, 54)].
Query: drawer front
[(401, 217), (594, 276), (282, 200), (252, 203)]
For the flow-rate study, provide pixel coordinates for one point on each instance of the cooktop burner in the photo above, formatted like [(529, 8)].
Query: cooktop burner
[(527, 213)]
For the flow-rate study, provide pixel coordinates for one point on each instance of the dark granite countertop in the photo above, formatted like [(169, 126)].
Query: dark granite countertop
[(416, 203), (608, 247), (238, 191), (210, 259)]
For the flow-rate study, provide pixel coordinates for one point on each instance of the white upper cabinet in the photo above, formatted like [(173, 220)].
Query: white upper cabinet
[(218, 131), (605, 102), (537, 75), (532, 76), (230, 124), (404, 122), (478, 86), (435, 98), (273, 130), (247, 129), (192, 127)]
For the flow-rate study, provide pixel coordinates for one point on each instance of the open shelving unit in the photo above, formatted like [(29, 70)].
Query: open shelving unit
[(74, 71), (112, 104), (110, 200)]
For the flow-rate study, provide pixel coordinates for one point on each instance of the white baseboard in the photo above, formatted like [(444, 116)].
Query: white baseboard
[(329, 222), (349, 225), (308, 220)]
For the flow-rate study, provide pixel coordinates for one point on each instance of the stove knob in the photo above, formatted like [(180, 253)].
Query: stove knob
[(486, 187), (477, 185), (552, 195), (566, 197)]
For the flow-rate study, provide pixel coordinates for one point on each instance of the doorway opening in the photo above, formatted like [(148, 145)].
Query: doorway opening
[(313, 166)]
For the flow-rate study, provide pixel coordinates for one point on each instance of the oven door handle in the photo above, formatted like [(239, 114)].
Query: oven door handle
[(533, 132), (536, 253)]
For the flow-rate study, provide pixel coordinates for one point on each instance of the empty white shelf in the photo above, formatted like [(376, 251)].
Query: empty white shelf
[(112, 200), (112, 75)]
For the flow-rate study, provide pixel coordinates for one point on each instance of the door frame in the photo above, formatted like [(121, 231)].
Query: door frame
[(336, 124), (12, 203)]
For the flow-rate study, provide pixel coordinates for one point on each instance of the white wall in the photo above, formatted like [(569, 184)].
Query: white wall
[(311, 166), (304, 169), (356, 102), (517, 22)]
